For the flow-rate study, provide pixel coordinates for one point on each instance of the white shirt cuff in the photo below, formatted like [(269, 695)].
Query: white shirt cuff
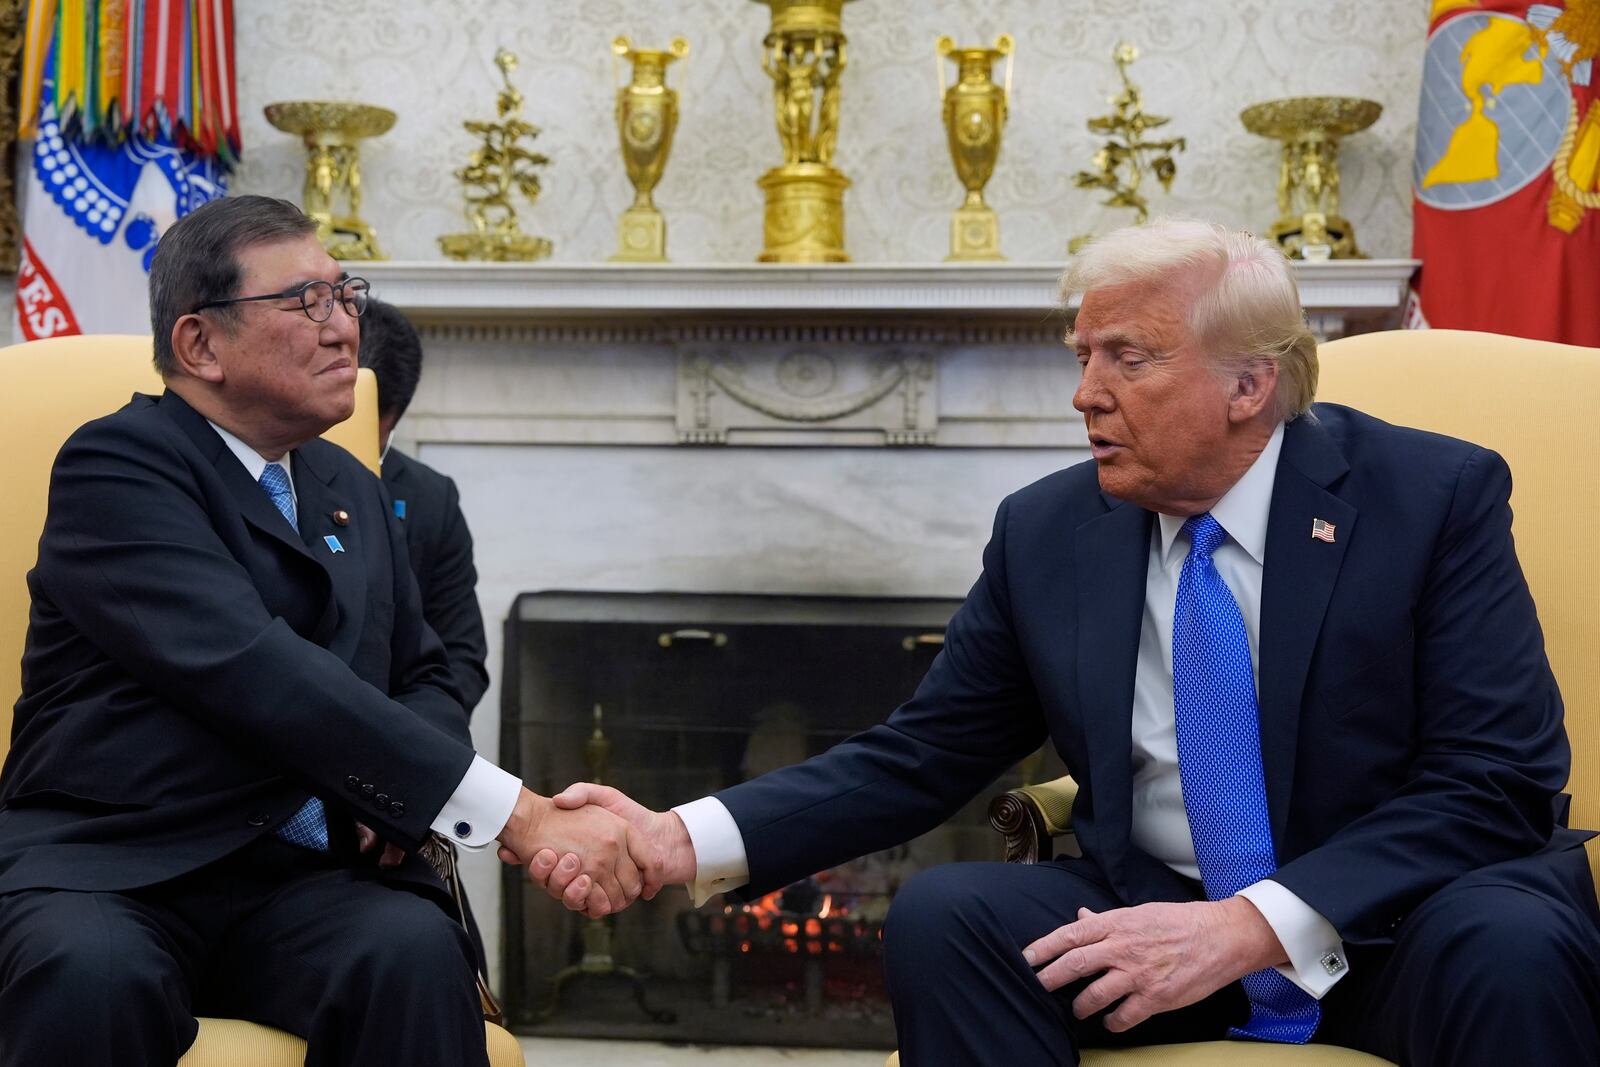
[(719, 856), (1316, 954), (480, 807)]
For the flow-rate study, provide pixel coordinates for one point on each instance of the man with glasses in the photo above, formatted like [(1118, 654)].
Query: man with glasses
[(226, 670)]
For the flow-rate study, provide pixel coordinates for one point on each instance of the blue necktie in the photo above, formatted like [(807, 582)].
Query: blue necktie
[(307, 827), (1219, 764)]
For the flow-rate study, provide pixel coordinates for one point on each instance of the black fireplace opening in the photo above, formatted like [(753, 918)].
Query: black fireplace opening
[(673, 696)]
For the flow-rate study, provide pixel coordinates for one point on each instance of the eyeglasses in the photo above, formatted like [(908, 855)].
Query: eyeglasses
[(316, 298)]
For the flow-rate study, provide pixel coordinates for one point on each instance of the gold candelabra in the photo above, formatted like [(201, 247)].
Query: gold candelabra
[(647, 116), (331, 131), (597, 960), (497, 167), (1120, 164), (975, 112), (1309, 225), (804, 56)]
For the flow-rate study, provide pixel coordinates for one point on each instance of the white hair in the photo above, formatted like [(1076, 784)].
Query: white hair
[(1246, 309)]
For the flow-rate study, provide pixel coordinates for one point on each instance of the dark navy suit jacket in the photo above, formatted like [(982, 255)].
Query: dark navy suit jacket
[(1411, 728), (440, 546), (195, 668)]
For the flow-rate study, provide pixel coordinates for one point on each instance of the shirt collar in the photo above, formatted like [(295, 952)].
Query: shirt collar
[(254, 462), (1242, 511)]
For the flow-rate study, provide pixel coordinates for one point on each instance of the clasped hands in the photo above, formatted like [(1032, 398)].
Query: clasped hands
[(596, 850)]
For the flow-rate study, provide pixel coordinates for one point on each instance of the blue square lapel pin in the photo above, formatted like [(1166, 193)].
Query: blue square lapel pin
[(341, 517)]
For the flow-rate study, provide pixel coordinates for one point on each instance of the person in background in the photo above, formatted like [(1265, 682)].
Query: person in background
[(427, 505), (429, 510)]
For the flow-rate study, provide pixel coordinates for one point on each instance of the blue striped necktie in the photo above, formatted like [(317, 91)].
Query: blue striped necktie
[(307, 827), (1219, 764)]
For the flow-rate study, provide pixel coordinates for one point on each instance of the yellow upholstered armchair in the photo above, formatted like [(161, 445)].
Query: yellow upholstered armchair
[(51, 388), (1531, 401)]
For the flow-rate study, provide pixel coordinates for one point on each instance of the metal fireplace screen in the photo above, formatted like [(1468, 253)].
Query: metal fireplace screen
[(670, 697)]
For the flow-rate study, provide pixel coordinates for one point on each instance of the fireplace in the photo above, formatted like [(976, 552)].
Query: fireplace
[(702, 428), (672, 697)]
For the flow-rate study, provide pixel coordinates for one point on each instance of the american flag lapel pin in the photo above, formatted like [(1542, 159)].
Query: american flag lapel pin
[(1322, 530)]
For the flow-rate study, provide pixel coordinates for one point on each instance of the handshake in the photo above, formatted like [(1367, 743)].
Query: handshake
[(594, 849)]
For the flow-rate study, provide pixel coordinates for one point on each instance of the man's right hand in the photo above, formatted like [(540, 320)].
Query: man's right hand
[(597, 846), (668, 853)]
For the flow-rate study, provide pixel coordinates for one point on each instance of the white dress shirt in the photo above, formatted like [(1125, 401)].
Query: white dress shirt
[(1160, 824), (483, 800)]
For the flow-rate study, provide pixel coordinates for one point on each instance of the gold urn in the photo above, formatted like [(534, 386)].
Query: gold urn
[(647, 116), (975, 112), (331, 131), (804, 54), (1309, 225)]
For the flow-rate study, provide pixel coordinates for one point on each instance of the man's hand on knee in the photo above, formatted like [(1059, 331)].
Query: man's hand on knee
[(1154, 957)]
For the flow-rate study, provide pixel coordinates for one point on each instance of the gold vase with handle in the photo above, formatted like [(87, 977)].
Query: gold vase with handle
[(975, 112), (647, 116)]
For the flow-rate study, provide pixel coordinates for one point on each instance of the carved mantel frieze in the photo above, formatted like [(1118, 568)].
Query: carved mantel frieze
[(835, 395)]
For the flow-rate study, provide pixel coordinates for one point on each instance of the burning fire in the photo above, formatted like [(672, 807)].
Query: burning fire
[(765, 923)]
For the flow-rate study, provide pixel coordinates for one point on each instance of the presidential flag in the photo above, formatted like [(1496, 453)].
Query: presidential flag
[(1508, 148)]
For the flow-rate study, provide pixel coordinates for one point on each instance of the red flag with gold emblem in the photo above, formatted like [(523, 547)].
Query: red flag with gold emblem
[(1508, 150)]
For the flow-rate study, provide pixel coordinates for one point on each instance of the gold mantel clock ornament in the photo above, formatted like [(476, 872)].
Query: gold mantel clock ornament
[(975, 111), (1309, 225), (1120, 164), (804, 56), (331, 131), (647, 115), (496, 168)]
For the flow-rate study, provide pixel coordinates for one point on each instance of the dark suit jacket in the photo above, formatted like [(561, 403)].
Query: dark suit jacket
[(195, 668), (1411, 728), (441, 556)]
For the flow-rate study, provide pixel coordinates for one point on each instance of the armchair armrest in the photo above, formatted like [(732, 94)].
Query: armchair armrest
[(1032, 816)]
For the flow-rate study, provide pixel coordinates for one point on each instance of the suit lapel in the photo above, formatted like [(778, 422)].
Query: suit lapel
[(1112, 552), (335, 547), (313, 470), (1298, 577), (254, 503)]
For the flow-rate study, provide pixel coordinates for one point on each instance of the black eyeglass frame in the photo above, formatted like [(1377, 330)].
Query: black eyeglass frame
[(336, 291)]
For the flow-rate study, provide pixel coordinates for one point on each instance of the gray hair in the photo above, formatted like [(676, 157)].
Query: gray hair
[(197, 260), (1247, 309)]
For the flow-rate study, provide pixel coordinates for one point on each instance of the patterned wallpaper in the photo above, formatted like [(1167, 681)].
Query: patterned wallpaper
[(1202, 61)]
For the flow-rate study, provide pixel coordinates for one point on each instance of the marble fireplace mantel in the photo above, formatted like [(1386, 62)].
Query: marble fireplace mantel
[(936, 355), (1369, 290)]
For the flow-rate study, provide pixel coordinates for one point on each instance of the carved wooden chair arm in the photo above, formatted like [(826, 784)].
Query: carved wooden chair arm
[(440, 853), (1032, 816)]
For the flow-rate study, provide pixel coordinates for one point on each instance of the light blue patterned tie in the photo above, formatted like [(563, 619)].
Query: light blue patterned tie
[(1219, 763), (307, 827)]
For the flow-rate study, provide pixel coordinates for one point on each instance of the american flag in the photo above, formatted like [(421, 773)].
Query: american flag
[(1322, 530)]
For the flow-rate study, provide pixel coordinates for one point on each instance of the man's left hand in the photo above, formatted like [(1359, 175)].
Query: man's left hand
[(367, 838), (1155, 957)]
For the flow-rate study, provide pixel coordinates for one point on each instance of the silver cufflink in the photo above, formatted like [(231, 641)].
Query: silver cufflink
[(1332, 963)]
